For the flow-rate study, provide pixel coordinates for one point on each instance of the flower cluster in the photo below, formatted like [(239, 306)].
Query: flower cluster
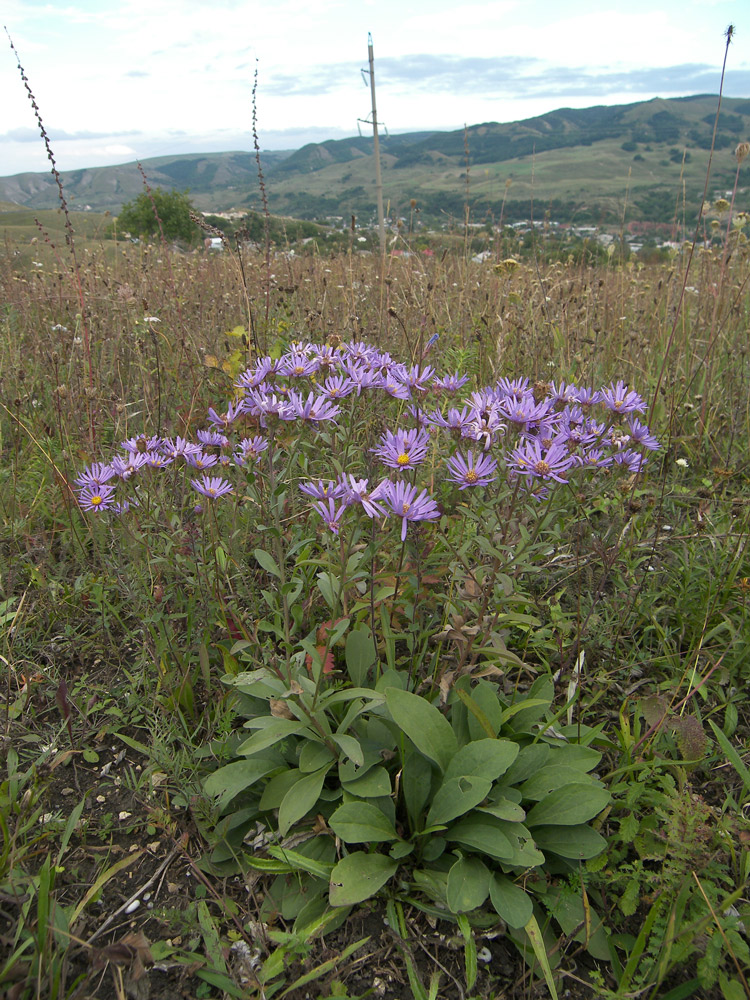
[(529, 435)]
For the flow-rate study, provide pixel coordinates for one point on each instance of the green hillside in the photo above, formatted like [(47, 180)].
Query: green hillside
[(646, 160)]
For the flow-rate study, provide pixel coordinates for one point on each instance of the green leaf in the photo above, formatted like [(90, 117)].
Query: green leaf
[(349, 771), (479, 722), (533, 706), (545, 781), (416, 779), (540, 951), (577, 842), (510, 901), (314, 756), (360, 654), (468, 885), (361, 823), (300, 862), (234, 778), (275, 732), (350, 747), (568, 806), (372, 785), (359, 876), (503, 808), (426, 727), (484, 758), (530, 760), (482, 833), (574, 755), (301, 798), (525, 852), (537, 701), (329, 586), (456, 797), (732, 756), (267, 561), (470, 950), (277, 787)]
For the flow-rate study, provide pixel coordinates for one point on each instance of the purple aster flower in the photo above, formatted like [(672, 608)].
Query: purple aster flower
[(394, 386), (588, 398), (328, 357), (224, 421), (125, 468), (529, 459), (403, 500), (593, 458), (546, 432), (201, 460), (418, 379), (359, 351), (485, 425), (470, 471), (251, 449), (324, 489), (212, 486), (618, 398), (454, 419), (157, 459), (640, 434), (517, 388), (451, 383), (337, 386), (296, 365), (404, 449), (267, 404), (633, 461), (419, 416), (330, 513), (96, 498), (524, 410), (179, 447), (362, 376), (357, 491), (95, 474), (256, 376), (141, 444), (314, 408), (563, 394), (212, 439)]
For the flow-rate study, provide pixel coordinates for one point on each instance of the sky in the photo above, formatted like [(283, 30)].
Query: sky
[(119, 80)]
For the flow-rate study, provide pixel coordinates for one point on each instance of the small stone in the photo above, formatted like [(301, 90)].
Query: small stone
[(100, 799), (68, 791), (124, 815), (132, 907)]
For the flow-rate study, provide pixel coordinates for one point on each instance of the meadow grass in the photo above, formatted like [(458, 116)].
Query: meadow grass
[(619, 607)]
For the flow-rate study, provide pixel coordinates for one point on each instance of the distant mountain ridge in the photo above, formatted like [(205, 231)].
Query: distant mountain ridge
[(592, 163)]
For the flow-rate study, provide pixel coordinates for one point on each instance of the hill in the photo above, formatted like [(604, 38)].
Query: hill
[(646, 160)]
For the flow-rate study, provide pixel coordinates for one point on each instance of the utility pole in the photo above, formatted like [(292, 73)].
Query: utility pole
[(376, 146)]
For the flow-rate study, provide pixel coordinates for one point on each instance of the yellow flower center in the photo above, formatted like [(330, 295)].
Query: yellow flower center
[(403, 458), (471, 476), (212, 491), (95, 501), (406, 507), (542, 468)]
